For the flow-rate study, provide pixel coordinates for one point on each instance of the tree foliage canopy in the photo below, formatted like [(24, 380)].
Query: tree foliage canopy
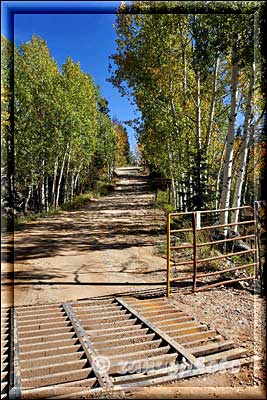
[(63, 139), (179, 68)]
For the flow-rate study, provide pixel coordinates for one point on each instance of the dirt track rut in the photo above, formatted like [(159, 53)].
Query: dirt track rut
[(103, 248)]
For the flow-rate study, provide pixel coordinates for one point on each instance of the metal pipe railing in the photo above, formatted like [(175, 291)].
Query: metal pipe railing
[(195, 261), (184, 278), (226, 255), (224, 225), (224, 283), (225, 240), (181, 230), (183, 263), (225, 209), (223, 271), (211, 211), (168, 254), (196, 227), (186, 246), (256, 244)]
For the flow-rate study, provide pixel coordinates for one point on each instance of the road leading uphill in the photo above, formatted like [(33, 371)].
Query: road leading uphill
[(106, 247)]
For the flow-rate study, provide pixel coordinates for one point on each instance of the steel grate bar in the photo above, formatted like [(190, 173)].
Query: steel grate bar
[(91, 354), (14, 371), (46, 367), (176, 346)]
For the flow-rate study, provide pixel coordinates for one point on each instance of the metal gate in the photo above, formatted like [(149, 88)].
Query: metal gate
[(199, 232)]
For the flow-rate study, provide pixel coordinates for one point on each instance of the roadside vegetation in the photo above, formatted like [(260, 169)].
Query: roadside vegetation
[(163, 202), (61, 143), (79, 202), (196, 80), (194, 72)]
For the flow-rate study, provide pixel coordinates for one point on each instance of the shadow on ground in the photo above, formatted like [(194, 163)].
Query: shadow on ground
[(117, 221)]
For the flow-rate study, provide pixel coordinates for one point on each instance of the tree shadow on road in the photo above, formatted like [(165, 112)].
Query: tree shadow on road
[(27, 276), (48, 238)]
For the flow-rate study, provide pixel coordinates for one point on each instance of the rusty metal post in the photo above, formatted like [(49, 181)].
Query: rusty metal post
[(168, 280), (194, 226), (257, 256)]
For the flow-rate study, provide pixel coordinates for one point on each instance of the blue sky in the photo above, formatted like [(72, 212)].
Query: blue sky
[(87, 38)]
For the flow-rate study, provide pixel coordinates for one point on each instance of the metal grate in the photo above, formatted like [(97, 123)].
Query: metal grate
[(98, 346)]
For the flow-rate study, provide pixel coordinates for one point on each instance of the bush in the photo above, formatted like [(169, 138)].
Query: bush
[(103, 188), (20, 221), (78, 202), (162, 201)]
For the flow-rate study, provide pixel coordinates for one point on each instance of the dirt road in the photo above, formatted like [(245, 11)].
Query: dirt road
[(107, 247), (103, 248)]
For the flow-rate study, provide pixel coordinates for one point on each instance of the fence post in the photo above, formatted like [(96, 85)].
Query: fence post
[(257, 257), (194, 226), (168, 254)]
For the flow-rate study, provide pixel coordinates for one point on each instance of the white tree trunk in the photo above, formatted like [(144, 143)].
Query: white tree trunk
[(72, 186), (184, 74), (53, 193), (66, 189), (173, 110), (46, 194), (109, 170), (77, 177), (218, 178), (61, 175), (198, 114), (113, 165), (243, 155), (212, 104), (178, 203), (184, 193), (210, 123), (228, 162), (198, 139), (28, 199), (43, 187), (174, 193), (173, 183), (190, 186), (76, 180)]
